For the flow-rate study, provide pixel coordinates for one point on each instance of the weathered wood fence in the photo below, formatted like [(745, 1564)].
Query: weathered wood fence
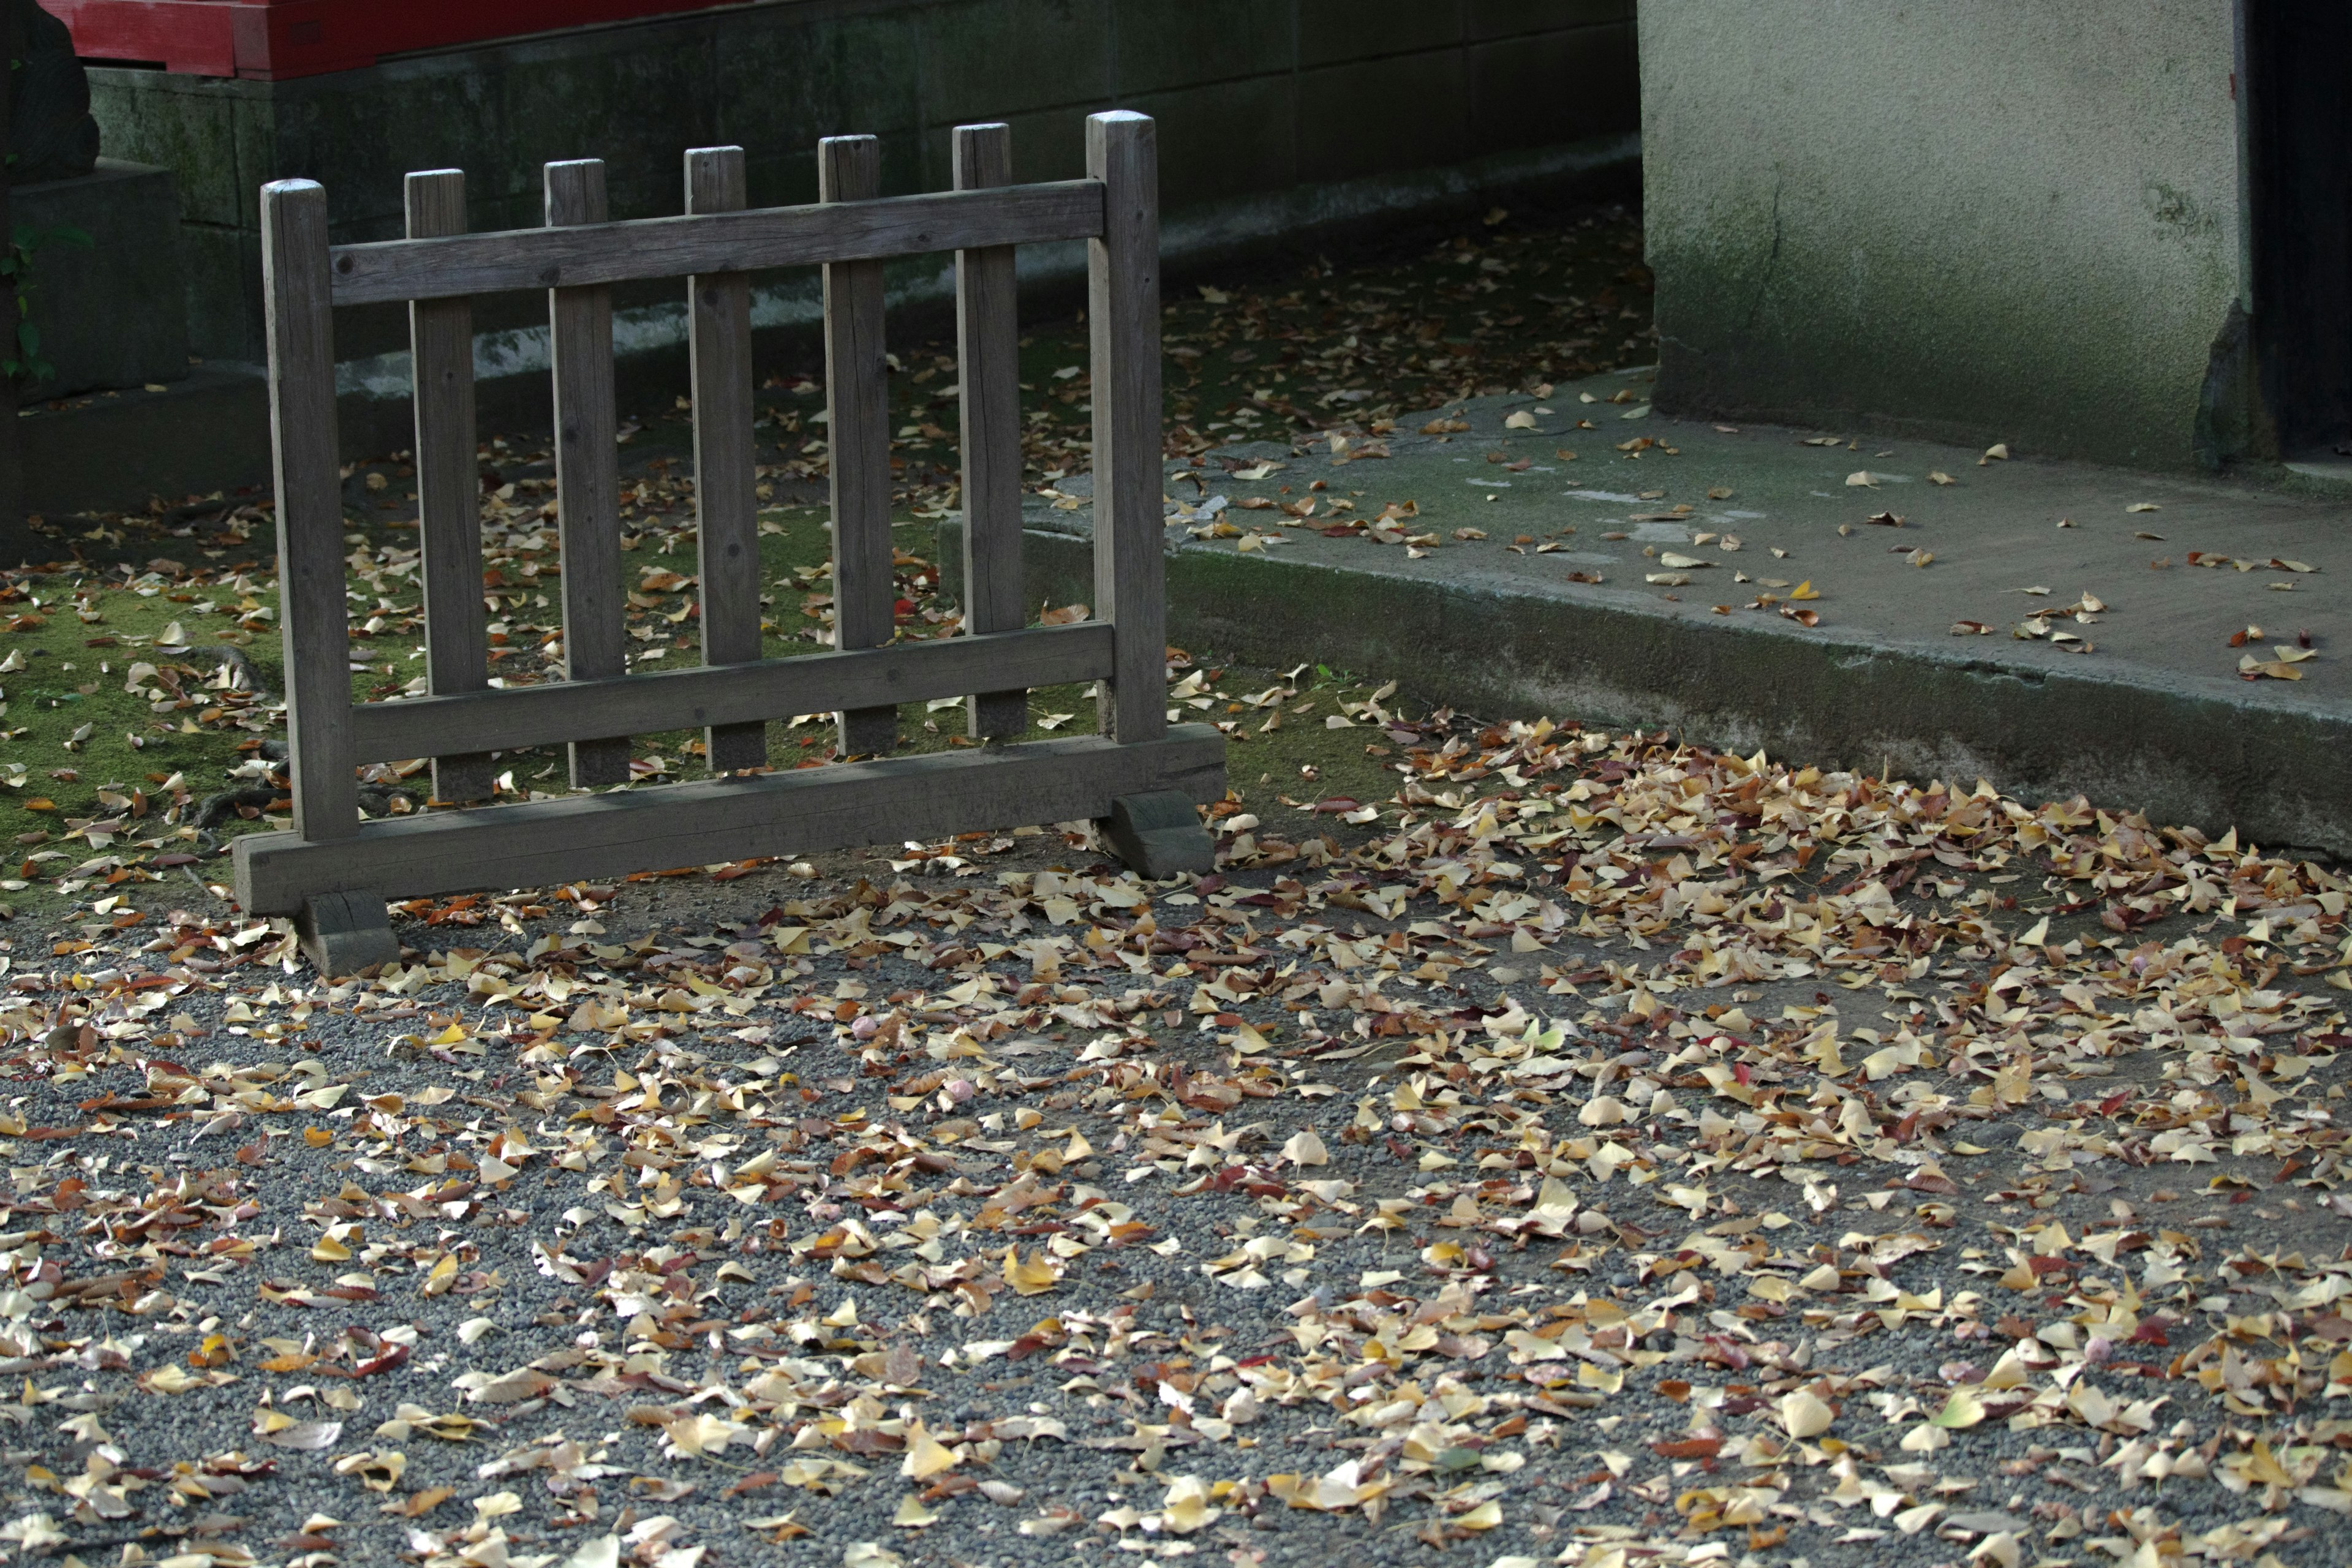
[(1137, 774)]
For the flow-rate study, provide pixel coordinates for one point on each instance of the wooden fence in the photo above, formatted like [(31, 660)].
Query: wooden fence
[(1139, 776)]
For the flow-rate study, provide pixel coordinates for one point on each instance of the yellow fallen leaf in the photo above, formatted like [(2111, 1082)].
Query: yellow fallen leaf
[(1803, 590), (1033, 1277), (1805, 1414), (926, 1454), (1187, 1507), (1962, 1409), (1485, 1516)]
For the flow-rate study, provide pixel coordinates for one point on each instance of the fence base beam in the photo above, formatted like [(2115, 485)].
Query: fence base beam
[(539, 843), (346, 933), (1158, 834)]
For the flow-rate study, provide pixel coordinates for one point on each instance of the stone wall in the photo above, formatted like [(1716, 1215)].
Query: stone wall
[(1277, 117), (1996, 219)]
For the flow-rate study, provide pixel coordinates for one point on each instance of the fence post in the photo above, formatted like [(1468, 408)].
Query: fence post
[(587, 471), (857, 433), (449, 483), (1123, 313), (311, 610), (347, 931), (1157, 832), (727, 505), (988, 366)]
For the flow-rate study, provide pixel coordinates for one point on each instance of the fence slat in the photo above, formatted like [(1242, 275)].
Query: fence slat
[(388, 271), (857, 428), (587, 472), (988, 364), (449, 483), (719, 309), (769, 689), (1123, 313), (536, 843), (309, 475)]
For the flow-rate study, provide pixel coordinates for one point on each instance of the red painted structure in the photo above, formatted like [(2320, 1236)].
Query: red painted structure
[(274, 40)]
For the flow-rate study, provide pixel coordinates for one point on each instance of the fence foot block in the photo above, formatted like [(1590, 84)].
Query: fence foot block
[(1158, 835), (346, 933)]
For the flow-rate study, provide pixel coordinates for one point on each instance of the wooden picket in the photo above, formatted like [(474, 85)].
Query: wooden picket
[(1138, 776)]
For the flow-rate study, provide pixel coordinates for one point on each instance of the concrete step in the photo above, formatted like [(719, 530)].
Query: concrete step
[(2145, 709)]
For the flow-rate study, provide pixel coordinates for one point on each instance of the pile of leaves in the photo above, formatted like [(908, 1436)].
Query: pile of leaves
[(1602, 1147)]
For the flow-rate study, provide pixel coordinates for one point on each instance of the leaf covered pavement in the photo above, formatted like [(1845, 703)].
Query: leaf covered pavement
[(1604, 1150)]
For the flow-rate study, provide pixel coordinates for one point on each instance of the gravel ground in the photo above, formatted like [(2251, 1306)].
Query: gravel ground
[(1606, 1152)]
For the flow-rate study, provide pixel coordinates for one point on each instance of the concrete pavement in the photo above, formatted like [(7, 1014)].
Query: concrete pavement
[(2109, 597)]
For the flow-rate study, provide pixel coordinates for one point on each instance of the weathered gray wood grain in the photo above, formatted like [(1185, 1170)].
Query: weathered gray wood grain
[(534, 843), (392, 270), (587, 472), (726, 471), (988, 367), (735, 694), (449, 483), (1123, 317), (857, 428), (308, 463)]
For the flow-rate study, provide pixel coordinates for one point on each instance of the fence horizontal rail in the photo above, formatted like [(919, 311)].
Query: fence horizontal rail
[(542, 842), (587, 254), (516, 716)]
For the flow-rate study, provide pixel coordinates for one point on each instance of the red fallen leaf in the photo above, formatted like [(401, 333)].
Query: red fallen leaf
[(1688, 1448), (1932, 1181), (1335, 806), (2041, 1266), (393, 1356), (2328, 1326), (2114, 1102), (751, 1483), (350, 1293)]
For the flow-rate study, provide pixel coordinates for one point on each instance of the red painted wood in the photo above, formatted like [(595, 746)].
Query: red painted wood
[(275, 39)]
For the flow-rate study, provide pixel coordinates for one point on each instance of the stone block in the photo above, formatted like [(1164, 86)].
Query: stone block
[(1166, 44), (987, 60), (1489, 19), (1379, 117), (185, 124), (1333, 31), (1553, 88), (779, 90), (1048, 145), (1225, 139), (222, 267), (113, 314)]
